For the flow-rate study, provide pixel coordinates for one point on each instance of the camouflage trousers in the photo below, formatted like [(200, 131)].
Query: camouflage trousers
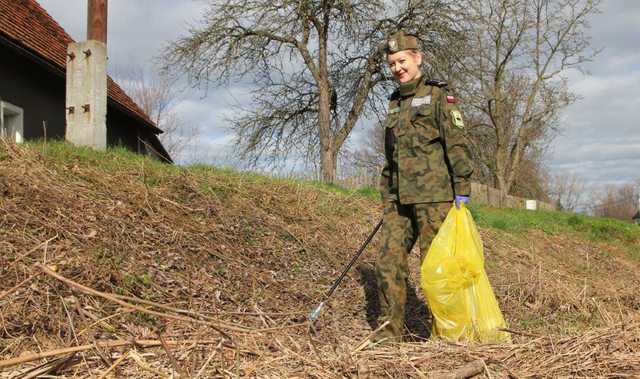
[(402, 226)]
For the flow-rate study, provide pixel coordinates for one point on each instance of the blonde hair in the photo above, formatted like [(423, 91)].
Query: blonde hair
[(417, 53)]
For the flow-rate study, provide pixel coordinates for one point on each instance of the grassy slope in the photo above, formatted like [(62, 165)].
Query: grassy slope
[(231, 244)]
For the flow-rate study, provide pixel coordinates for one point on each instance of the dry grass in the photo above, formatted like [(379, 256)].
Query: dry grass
[(201, 273)]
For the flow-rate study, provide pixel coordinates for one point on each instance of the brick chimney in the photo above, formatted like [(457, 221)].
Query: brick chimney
[(86, 96)]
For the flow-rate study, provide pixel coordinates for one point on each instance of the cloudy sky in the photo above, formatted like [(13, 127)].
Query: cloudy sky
[(599, 141), (600, 138)]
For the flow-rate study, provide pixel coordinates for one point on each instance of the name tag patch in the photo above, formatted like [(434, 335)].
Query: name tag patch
[(418, 101), (394, 110)]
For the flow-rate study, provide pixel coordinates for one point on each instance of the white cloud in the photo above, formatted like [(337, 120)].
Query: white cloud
[(600, 135), (601, 129)]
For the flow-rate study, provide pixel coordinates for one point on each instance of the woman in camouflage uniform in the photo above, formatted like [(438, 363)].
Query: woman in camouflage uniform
[(427, 167)]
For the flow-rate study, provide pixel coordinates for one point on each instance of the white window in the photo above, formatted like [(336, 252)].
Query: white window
[(11, 122)]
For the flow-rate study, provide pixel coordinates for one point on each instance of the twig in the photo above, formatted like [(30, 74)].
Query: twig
[(91, 291), (181, 206), (103, 320), (9, 346), (468, 371), (23, 256), (145, 366), (276, 328), (174, 363), (47, 367), (270, 314), (73, 331), (206, 363), (116, 343), (105, 359), (164, 306), (14, 288), (519, 332), (486, 369), (366, 341), (248, 372), (114, 365)]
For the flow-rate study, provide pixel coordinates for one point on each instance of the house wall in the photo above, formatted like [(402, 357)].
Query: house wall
[(41, 94), (37, 91), (121, 130)]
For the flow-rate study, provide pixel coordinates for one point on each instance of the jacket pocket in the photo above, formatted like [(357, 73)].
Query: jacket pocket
[(426, 131)]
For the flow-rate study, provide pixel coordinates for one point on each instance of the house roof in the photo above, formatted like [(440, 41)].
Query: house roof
[(27, 24)]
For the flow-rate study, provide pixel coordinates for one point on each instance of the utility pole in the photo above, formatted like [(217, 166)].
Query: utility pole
[(86, 100), (97, 21)]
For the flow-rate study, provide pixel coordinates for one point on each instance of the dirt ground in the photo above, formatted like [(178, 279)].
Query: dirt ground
[(132, 269)]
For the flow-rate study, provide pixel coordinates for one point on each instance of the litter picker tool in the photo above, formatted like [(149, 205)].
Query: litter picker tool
[(313, 316)]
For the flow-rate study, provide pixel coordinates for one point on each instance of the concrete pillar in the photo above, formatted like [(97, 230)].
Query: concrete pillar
[(86, 98)]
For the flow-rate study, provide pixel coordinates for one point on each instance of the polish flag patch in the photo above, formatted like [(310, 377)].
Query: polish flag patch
[(451, 99)]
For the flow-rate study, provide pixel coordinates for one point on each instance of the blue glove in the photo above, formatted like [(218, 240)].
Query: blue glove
[(461, 199)]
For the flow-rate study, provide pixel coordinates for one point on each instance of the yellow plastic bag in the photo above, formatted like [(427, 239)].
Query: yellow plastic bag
[(456, 286)]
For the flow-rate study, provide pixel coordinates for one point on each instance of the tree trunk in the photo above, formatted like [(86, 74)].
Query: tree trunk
[(328, 164), (328, 150), (501, 181)]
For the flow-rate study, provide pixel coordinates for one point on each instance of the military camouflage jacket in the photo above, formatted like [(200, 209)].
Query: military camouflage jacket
[(417, 170)]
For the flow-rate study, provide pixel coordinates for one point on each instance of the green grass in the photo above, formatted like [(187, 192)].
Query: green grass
[(116, 158), (368, 192), (63, 151), (520, 221)]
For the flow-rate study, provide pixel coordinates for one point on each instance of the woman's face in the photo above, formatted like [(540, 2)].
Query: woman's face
[(405, 65)]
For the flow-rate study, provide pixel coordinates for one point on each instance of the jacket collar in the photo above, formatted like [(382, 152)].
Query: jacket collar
[(409, 88)]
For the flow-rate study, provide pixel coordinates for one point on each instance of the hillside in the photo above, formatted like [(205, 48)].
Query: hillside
[(223, 267)]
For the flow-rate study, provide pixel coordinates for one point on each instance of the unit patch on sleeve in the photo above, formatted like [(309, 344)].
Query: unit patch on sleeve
[(456, 117)]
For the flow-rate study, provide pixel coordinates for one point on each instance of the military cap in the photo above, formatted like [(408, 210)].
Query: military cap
[(399, 41)]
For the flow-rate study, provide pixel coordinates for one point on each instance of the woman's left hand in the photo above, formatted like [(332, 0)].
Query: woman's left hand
[(461, 199)]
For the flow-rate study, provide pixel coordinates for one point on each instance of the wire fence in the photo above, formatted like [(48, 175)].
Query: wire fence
[(480, 194)]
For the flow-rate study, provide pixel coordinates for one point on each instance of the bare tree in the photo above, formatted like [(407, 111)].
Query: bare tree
[(369, 155), (511, 79), (567, 190), (531, 177), (316, 66), (157, 97), (619, 202)]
